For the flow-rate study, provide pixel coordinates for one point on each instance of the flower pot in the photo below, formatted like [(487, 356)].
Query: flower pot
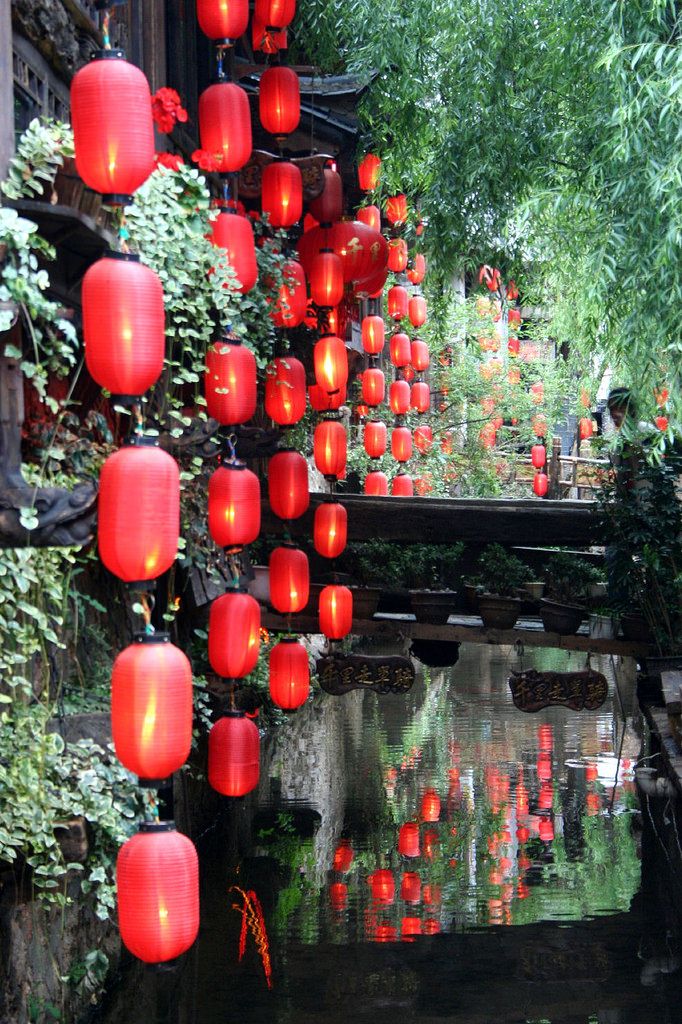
[(563, 619), (635, 627), (433, 606), (471, 597), (259, 587), (603, 627), (365, 602), (598, 590), (498, 612), (534, 590)]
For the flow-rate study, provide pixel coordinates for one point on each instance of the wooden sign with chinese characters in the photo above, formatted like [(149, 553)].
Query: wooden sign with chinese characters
[(341, 673), (579, 691)]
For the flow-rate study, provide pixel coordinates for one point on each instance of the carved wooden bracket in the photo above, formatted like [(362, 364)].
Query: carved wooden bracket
[(311, 168)]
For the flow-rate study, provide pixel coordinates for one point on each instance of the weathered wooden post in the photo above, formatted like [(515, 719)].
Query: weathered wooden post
[(554, 490)]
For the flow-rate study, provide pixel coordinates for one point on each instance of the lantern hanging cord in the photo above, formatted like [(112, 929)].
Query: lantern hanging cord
[(220, 58), (123, 233), (152, 808), (147, 603), (106, 19), (231, 449)]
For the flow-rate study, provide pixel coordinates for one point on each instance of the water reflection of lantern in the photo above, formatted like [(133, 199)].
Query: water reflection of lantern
[(230, 382), (382, 885), (586, 428), (234, 635), (338, 895), (417, 310), (541, 484), (430, 809), (409, 928), (396, 209), (401, 350), (328, 207), (288, 484), (397, 302), (289, 674), (431, 841), (373, 334), (419, 355), (546, 830), (331, 363), (401, 444), (224, 22), (282, 193), (289, 579), (371, 216), (374, 438), (545, 737), (521, 799), (373, 386), (432, 895), (417, 272), (326, 278), (233, 755), (591, 772), (423, 438), (225, 125), (420, 397), (410, 887), (279, 100), (336, 612), (431, 926), (285, 391), (329, 447), (408, 839), (402, 486), (522, 834), (397, 255), (343, 857), (546, 797), (544, 767), (399, 397), (376, 484), (538, 455), (330, 529), (157, 880)]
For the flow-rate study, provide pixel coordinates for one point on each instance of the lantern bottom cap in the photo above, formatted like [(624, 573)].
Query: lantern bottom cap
[(116, 199), (126, 400), (153, 783), (141, 586)]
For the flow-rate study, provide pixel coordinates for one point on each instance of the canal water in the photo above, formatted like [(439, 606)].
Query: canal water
[(438, 856)]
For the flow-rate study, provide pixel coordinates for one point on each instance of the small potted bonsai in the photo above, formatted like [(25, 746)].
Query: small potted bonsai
[(501, 575), (567, 583), (431, 575)]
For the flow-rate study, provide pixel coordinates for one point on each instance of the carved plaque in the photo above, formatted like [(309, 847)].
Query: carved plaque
[(579, 691), (341, 673)]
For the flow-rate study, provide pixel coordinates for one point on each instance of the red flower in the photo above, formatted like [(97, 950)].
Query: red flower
[(207, 161), (661, 395), (661, 422), (167, 109), (171, 160), (490, 276), (512, 290)]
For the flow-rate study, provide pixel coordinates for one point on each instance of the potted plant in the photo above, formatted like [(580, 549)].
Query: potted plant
[(567, 581), (501, 575), (431, 575), (604, 622)]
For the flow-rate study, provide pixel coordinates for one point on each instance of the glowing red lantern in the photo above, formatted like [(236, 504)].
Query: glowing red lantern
[(411, 887), (223, 20), (343, 857), (289, 674), (225, 125), (397, 302), (139, 511), (282, 193), (371, 216), (402, 486), (267, 40), (329, 447), (396, 209), (420, 397), (322, 401), (423, 439), (417, 310), (233, 506), (514, 347), (382, 885), (328, 207), (292, 298), (419, 355), (538, 455), (586, 427), (430, 808), (233, 755), (373, 335), (363, 252), (417, 272), (397, 255), (375, 438), (431, 926), (399, 397), (289, 579), (151, 707), (376, 484), (401, 444), (326, 278), (234, 234), (368, 172), (330, 529), (285, 390), (336, 612), (114, 141), (157, 881), (409, 928), (288, 484), (279, 101), (540, 484), (401, 350), (123, 324), (373, 386), (331, 363), (230, 382), (275, 13), (234, 634), (539, 425), (408, 839)]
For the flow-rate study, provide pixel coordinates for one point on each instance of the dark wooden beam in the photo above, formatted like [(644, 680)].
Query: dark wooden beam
[(6, 88)]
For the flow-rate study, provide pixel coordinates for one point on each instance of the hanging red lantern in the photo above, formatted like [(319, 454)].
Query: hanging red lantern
[(376, 484), (292, 298), (401, 444), (514, 347), (267, 40), (114, 141), (396, 210), (397, 302), (289, 579), (288, 484), (328, 207), (285, 390), (399, 397), (233, 755), (275, 14), (230, 382), (411, 887), (537, 392), (233, 233), (423, 438), (375, 438), (402, 486), (408, 839), (326, 279), (586, 427), (151, 707), (430, 808), (233, 506), (139, 511), (343, 857), (331, 363), (322, 401), (234, 634), (363, 251), (417, 310), (382, 885), (401, 350), (225, 125), (373, 386), (223, 20), (373, 335), (420, 397), (538, 455), (157, 882), (330, 529), (540, 484), (539, 425), (368, 172), (123, 324), (371, 216), (417, 271), (336, 612), (279, 101), (397, 255), (282, 193), (289, 674), (329, 447)]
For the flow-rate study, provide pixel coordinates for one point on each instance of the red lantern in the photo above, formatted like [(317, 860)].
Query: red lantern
[(288, 484), (157, 880), (382, 885), (373, 335), (234, 234), (322, 401), (151, 707), (113, 131), (420, 397), (343, 857), (233, 755), (289, 579), (139, 511), (371, 216), (373, 386), (539, 425), (376, 484), (397, 255), (275, 13), (279, 101), (338, 895), (540, 484), (411, 887), (399, 397), (514, 347), (292, 297), (267, 41), (401, 350), (419, 355), (417, 272), (329, 446), (282, 193), (326, 278), (408, 839), (397, 302), (538, 455), (401, 444), (402, 486), (330, 529), (123, 324), (233, 506), (328, 207), (336, 612), (363, 252), (423, 439), (225, 125), (234, 634), (368, 172), (230, 382), (430, 809), (409, 928), (586, 428), (223, 20), (289, 674), (331, 363), (285, 391), (375, 438), (537, 392), (396, 209), (417, 310)]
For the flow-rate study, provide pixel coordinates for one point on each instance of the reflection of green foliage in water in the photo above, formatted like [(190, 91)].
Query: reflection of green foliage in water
[(298, 857)]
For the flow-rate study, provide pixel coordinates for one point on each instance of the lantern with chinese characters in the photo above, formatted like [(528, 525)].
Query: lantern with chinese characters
[(328, 207), (123, 324), (401, 444), (376, 484), (408, 839), (233, 506), (375, 438), (225, 125), (275, 14), (234, 634), (331, 363), (233, 233), (326, 279), (538, 455), (396, 210), (420, 397), (151, 707), (113, 131), (417, 272), (402, 486), (417, 310), (397, 302), (399, 397), (368, 172), (223, 21), (289, 674), (336, 612), (282, 193), (371, 216), (373, 335), (292, 298), (401, 350), (330, 529), (157, 883), (288, 484), (382, 884), (423, 438), (233, 755), (329, 447), (540, 484), (285, 390), (289, 579), (397, 255), (419, 355), (279, 101), (373, 386), (230, 382)]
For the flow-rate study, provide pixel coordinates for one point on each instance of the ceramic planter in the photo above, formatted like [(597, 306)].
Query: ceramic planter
[(534, 590), (603, 627), (365, 601), (433, 606), (471, 597), (498, 612), (563, 619)]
